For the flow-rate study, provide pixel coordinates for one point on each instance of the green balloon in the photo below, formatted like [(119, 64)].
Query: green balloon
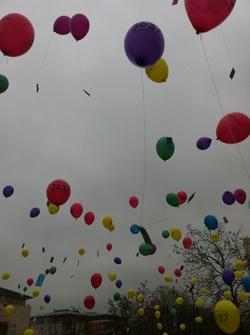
[(165, 148), (145, 249), (4, 83), (173, 312), (52, 270), (25, 288), (165, 233), (116, 296), (172, 199)]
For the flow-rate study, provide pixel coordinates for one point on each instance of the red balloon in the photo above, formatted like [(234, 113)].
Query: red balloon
[(89, 218), (177, 272), (187, 242), (96, 280), (16, 35), (61, 25), (240, 196), (133, 201), (109, 246), (182, 197), (58, 192), (79, 26), (89, 301), (30, 281), (161, 269), (233, 128), (76, 210), (205, 15)]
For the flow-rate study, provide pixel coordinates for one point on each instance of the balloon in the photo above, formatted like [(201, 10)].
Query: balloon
[(134, 229), (109, 246), (246, 283), (193, 281), (53, 209), (161, 269), (133, 201), (41, 307), (118, 283), (172, 199), (158, 72), (179, 301), (16, 35), (112, 276), (61, 25), (182, 326), (34, 212), (89, 218), (182, 197), (46, 298), (233, 128), (204, 290), (177, 272), (76, 210), (239, 265), (8, 191), (4, 83), (81, 251), (141, 311), (165, 148), (144, 44), (199, 303), (28, 332), (243, 296), (89, 301), (140, 297), (159, 325), (52, 270), (165, 233), (30, 281), (107, 221), (227, 294), (228, 276), (152, 302), (173, 312), (228, 198), (145, 249), (5, 304), (238, 274), (198, 319), (96, 280), (131, 293), (240, 196), (227, 316), (211, 222), (79, 26), (35, 293), (5, 275), (187, 242), (205, 15), (168, 278), (58, 192), (117, 260), (112, 227), (203, 143), (175, 234), (9, 310), (153, 249), (116, 296)]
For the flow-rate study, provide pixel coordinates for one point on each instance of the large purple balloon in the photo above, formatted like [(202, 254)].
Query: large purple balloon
[(8, 191), (203, 143), (240, 196), (228, 276), (79, 26), (61, 25), (228, 198), (144, 44), (34, 212)]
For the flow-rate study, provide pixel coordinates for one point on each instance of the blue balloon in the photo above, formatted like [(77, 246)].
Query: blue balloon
[(246, 283), (134, 229), (211, 222)]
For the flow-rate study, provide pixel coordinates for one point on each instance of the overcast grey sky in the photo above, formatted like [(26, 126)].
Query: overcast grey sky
[(104, 145)]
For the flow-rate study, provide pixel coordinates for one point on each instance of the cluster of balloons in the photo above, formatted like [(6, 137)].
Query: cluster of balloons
[(77, 25), (238, 195), (177, 199)]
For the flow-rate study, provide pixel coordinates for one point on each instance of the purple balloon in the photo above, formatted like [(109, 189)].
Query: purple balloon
[(117, 260), (8, 191), (203, 143), (228, 276), (61, 25), (79, 26), (144, 44), (118, 283), (34, 212), (46, 298), (240, 196), (228, 198)]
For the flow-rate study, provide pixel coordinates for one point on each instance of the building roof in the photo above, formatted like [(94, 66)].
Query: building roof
[(9, 293)]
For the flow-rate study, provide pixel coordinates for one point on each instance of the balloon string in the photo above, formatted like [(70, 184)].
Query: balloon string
[(226, 47), (43, 60), (167, 115), (144, 144), (47, 242), (80, 65)]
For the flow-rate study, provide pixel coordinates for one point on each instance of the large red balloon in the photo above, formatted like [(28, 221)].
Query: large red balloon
[(133, 201), (205, 15), (16, 35), (89, 301), (76, 210), (79, 26), (233, 128), (96, 280), (58, 192), (89, 218), (61, 25)]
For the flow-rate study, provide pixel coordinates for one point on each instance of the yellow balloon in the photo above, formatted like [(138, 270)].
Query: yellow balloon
[(215, 237), (159, 326), (28, 332), (175, 234), (9, 310), (243, 295), (112, 227), (25, 253), (239, 265), (204, 290), (193, 281), (179, 301), (227, 294), (199, 303), (81, 251), (131, 293), (164, 333), (53, 209), (156, 307), (107, 221), (198, 319), (41, 307), (238, 274), (5, 275), (227, 316), (112, 276), (182, 326), (168, 278), (158, 72), (157, 314), (140, 297), (141, 311), (35, 293)]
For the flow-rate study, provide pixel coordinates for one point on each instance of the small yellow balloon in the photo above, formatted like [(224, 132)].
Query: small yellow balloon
[(168, 278), (179, 301), (156, 307), (140, 297), (81, 251), (159, 326), (5, 275), (157, 314), (28, 332), (41, 307), (175, 234), (243, 295), (227, 316), (238, 274), (131, 293), (112, 276), (182, 326), (204, 290), (227, 294), (158, 72), (141, 311), (107, 221), (198, 319), (193, 281), (239, 265), (25, 253), (112, 227), (35, 293), (215, 237), (53, 209), (9, 310), (199, 303)]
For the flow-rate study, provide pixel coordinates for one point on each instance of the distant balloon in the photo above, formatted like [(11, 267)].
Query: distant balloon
[(107, 221), (134, 229), (116, 296), (246, 283), (215, 237), (173, 312), (5, 275), (182, 197), (228, 198), (28, 332), (58, 192), (144, 44), (206, 15), (153, 249), (152, 302), (175, 234), (168, 279), (96, 280), (4, 83), (53, 209), (165, 233), (172, 199), (228, 276), (131, 293), (89, 218), (9, 310), (187, 242), (233, 128), (133, 201), (8, 191), (47, 298), (79, 26), (177, 272), (161, 269), (112, 276), (35, 293), (30, 281), (145, 249), (16, 35), (61, 25), (240, 196), (89, 301), (211, 222), (118, 283), (34, 212), (158, 72), (140, 297), (165, 148), (76, 210), (109, 246), (25, 253), (203, 143), (117, 260), (53, 270), (81, 251)]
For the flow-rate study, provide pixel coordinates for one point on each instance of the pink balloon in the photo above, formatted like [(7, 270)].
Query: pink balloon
[(61, 25), (79, 26), (205, 15), (240, 196), (133, 201)]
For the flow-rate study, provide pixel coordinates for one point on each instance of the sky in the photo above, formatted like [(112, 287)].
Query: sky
[(104, 145)]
